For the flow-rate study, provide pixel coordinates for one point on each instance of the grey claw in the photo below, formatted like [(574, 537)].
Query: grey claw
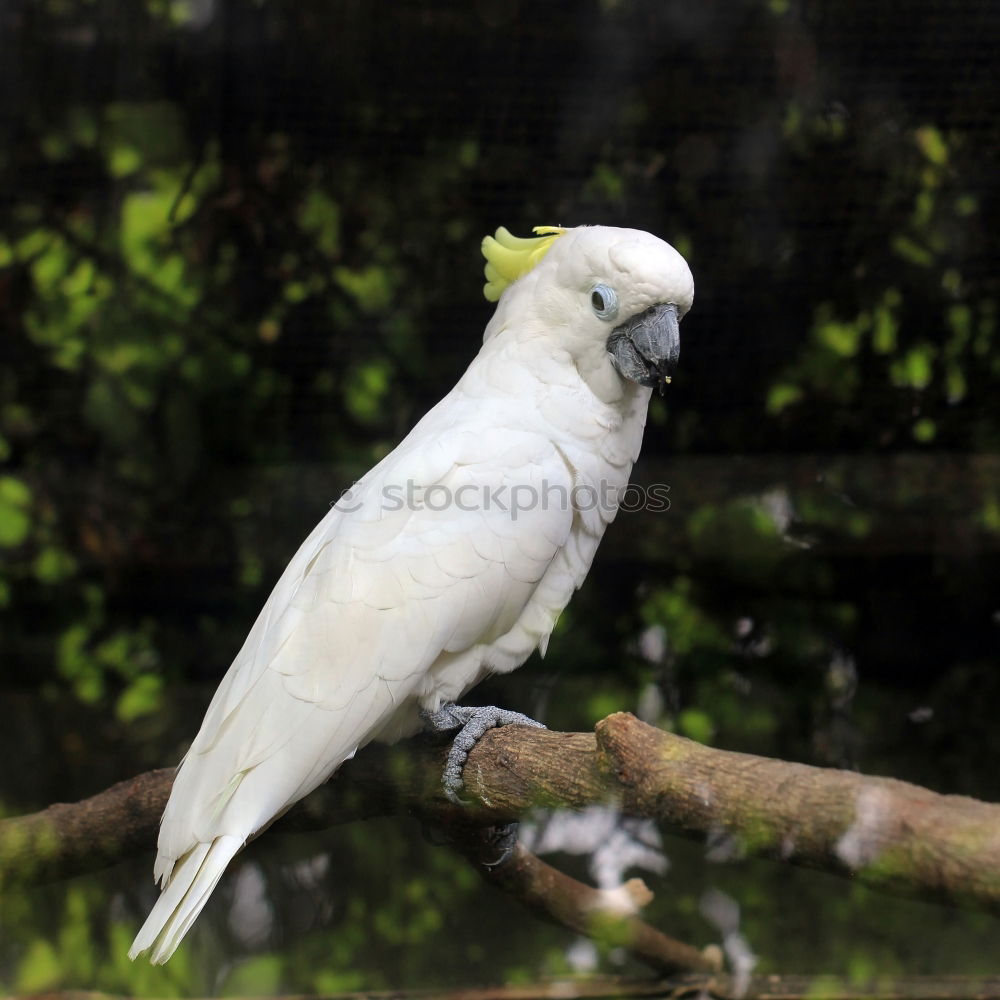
[(474, 722), (504, 839)]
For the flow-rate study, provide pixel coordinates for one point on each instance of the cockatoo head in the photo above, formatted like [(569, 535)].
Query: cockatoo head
[(612, 298)]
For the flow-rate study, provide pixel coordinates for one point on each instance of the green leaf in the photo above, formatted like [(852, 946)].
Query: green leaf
[(782, 395), (884, 329), (15, 522), (696, 725), (75, 945), (142, 697), (39, 969), (911, 251), (371, 287), (365, 390), (606, 184), (329, 982), (51, 266), (123, 160), (258, 976), (841, 338), (914, 369), (931, 143), (319, 216), (955, 384), (53, 564), (602, 704)]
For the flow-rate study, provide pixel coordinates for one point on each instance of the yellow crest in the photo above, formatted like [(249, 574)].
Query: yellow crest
[(508, 257)]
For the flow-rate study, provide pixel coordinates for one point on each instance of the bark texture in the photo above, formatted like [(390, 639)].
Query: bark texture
[(886, 833)]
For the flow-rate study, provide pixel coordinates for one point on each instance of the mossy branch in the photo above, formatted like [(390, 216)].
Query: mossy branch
[(884, 833)]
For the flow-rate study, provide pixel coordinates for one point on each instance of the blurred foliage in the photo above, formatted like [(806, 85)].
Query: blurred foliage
[(239, 259)]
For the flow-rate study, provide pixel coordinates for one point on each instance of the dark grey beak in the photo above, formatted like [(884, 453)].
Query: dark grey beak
[(645, 349)]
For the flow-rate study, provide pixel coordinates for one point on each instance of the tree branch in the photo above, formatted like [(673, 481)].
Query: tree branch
[(885, 833), (718, 987), (555, 897)]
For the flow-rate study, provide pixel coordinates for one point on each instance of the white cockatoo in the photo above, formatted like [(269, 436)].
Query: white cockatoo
[(450, 560)]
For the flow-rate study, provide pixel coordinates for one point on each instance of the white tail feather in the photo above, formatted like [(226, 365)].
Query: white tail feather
[(191, 883)]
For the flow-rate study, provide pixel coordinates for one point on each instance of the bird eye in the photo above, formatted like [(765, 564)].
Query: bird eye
[(605, 301)]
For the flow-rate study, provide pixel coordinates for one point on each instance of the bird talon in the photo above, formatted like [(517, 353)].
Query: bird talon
[(505, 839), (475, 723)]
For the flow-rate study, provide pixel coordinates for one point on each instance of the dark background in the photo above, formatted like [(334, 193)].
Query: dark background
[(239, 259)]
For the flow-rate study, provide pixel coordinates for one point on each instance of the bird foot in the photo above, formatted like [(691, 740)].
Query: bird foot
[(504, 840), (471, 723)]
